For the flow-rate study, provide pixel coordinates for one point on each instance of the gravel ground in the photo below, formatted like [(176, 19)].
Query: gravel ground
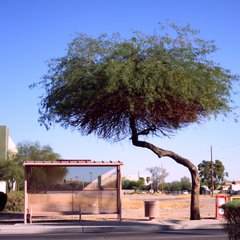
[(170, 208)]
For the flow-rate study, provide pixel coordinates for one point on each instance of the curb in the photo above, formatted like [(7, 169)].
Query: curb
[(101, 227), (196, 224)]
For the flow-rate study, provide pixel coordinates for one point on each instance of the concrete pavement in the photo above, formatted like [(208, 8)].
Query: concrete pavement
[(111, 226)]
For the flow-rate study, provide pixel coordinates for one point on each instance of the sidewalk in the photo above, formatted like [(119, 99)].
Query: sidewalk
[(111, 226)]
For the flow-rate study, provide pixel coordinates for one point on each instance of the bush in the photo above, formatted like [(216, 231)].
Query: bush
[(15, 202), (3, 200), (232, 215)]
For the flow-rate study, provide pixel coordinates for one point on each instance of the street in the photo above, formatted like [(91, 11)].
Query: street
[(212, 234)]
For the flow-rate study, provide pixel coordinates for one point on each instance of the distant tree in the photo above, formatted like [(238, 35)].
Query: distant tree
[(158, 175), (125, 183), (205, 172), (145, 85), (40, 178), (141, 184), (131, 184), (185, 183), (33, 151), (11, 170), (175, 186)]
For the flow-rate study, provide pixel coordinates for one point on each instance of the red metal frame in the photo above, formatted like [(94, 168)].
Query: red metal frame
[(220, 200)]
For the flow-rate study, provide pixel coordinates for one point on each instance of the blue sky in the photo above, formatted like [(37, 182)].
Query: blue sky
[(34, 31)]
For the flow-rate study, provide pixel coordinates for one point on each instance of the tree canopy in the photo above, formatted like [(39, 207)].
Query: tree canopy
[(205, 172), (34, 151), (183, 184), (132, 184), (161, 82), (11, 169)]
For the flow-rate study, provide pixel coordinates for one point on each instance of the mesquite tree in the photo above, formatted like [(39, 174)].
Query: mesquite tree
[(144, 85)]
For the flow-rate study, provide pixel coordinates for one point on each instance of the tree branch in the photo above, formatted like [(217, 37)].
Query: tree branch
[(158, 151), (195, 214)]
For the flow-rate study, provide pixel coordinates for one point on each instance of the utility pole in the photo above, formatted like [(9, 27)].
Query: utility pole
[(212, 173)]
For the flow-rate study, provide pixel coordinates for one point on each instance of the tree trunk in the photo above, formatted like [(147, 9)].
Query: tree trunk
[(195, 211), (194, 207)]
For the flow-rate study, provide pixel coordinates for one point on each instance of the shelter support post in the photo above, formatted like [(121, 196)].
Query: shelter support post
[(119, 193), (25, 195)]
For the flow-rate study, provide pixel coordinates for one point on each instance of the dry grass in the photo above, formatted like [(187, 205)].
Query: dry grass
[(133, 204), (137, 201), (170, 207)]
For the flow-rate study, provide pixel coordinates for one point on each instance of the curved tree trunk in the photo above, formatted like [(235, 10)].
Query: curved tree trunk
[(194, 207)]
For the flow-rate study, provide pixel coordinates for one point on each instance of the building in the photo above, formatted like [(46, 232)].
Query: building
[(7, 146), (6, 143)]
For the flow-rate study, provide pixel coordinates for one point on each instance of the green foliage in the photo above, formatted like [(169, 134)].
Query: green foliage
[(3, 200), (205, 172), (175, 186), (131, 184), (12, 169), (38, 178), (235, 204), (185, 183), (15, 202), (163, 81), (232, 215), (33, 151)]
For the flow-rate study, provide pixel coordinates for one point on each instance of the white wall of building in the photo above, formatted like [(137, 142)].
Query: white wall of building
[(3, 186)]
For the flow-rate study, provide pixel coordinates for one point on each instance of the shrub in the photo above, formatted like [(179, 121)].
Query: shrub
[(232, 215), (15, 202), (3, 200)]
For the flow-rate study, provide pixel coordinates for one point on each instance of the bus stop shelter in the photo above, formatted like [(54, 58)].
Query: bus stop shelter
[(70, 187)]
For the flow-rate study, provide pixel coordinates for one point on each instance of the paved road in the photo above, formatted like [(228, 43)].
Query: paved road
[(216, 234)]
